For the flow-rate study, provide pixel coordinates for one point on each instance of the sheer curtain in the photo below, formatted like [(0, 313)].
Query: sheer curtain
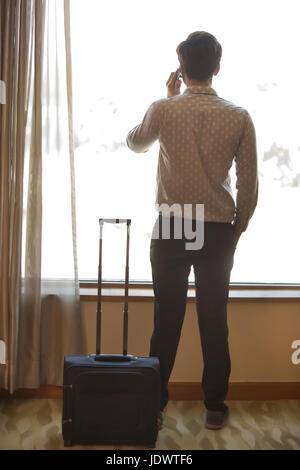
[(47, 315), (15, 32)]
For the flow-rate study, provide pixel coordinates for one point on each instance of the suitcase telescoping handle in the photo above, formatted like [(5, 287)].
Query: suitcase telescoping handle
[(98, 356)]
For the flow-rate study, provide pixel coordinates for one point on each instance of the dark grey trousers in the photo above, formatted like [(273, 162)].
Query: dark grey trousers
[(171, 264)]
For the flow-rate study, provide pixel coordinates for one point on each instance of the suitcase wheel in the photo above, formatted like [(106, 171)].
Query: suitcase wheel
[(68, 443)]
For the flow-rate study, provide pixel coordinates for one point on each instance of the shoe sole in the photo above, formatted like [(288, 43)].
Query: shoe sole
[(214, 427)]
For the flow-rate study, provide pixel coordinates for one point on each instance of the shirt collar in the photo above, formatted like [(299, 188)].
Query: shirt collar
[(196, 89)]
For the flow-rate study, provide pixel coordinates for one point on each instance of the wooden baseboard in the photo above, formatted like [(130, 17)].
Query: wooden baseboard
[(239, 391), (45, 391), (191, 391)]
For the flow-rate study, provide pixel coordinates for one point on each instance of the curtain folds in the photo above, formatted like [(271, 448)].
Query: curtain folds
[(40, 316), (15, 29)]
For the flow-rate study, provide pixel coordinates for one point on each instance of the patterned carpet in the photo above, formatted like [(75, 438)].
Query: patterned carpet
[(36, 424)]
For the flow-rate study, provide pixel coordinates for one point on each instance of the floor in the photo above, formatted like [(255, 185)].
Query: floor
[(36, 424)]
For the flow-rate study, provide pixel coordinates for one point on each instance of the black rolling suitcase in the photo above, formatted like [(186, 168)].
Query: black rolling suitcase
[(110, 398)]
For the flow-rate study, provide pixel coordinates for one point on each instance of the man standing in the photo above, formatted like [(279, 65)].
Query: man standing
[(200, 135)]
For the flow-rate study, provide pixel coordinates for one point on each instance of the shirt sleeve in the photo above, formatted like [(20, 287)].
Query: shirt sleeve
[(247, 178), (141, 137)]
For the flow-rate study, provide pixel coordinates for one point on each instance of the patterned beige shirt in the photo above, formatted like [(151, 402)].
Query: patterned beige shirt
[(200, 135)]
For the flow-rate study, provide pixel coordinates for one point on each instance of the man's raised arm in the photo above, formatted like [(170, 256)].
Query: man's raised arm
[(141, 137), (247, 179)]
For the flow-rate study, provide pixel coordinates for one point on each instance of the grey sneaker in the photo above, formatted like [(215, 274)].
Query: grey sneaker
[(216, 419), (160, 421)]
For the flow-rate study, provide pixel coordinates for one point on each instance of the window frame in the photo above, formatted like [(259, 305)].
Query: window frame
[(143, 291)]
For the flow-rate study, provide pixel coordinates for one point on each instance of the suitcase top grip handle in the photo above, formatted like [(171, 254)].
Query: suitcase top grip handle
[(113, 357), (115, 221)]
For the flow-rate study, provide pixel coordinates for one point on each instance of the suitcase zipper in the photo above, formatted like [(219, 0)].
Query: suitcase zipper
[(73, 398), (94, 366)]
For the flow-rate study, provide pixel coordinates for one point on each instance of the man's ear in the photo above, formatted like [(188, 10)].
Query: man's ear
[(217, 69)]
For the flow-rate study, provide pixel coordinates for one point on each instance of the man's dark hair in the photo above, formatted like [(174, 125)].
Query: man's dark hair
[(200, 55)]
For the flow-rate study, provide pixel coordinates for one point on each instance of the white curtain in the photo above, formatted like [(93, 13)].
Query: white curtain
[(16, 21), (48, 321)]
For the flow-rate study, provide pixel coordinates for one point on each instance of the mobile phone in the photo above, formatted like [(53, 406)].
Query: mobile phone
[(178, 75)]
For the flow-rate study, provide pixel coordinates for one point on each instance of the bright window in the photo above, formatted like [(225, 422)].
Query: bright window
[(122, 54)]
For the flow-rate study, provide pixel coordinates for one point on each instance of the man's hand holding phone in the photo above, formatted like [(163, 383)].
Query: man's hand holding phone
[(173, 84)]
